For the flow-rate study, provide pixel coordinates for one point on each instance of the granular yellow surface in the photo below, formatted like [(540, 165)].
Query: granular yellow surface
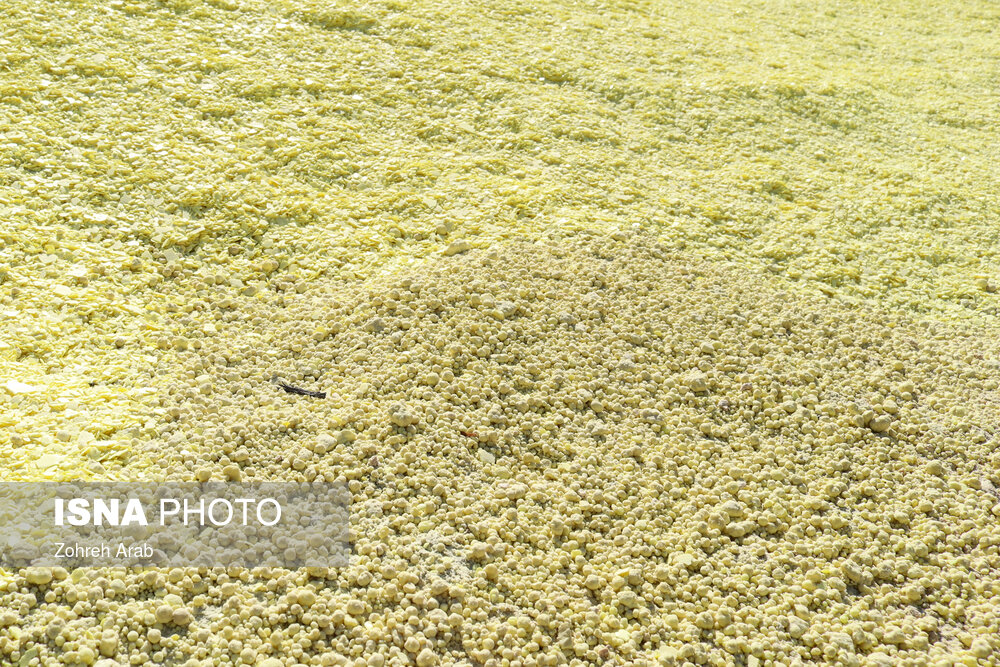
[(185, 186)]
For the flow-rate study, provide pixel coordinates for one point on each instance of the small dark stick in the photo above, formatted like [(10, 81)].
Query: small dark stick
[(296, 390)]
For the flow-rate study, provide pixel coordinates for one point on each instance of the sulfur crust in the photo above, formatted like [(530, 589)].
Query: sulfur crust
[(170, 171)]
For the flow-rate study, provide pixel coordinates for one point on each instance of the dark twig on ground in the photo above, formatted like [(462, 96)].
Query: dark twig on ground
[(298, 390)]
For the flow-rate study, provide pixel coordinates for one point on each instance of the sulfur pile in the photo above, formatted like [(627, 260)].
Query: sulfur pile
[(646, 333), (580, 449)]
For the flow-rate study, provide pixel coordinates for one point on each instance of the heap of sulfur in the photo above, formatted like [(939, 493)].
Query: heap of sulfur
[(760, 430), (843, 148), (584, 449)]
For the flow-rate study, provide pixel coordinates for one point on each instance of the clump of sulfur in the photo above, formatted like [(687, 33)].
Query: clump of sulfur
[(582, 450)]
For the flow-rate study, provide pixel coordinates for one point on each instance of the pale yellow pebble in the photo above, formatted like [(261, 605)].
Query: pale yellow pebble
[(426, 658), (164, 613), (86, 655), (881, 423), (108, 644), (697, 382), (981, 649), (457, 247), (38, 576), (879, 659), (181, 616)]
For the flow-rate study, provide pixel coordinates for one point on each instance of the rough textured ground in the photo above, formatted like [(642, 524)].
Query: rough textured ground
[(576, 450), (187, 188), (845, 148)]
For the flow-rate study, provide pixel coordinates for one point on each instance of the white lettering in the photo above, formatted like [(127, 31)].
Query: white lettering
[(164, 512), (103, 512), (244, 502), (79, 512), (277, 511), (200, 512), (134, 513), (139, 550), (211, 512)]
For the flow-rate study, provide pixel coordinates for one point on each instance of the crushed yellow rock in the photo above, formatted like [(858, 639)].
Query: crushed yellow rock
[(575, 451)]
